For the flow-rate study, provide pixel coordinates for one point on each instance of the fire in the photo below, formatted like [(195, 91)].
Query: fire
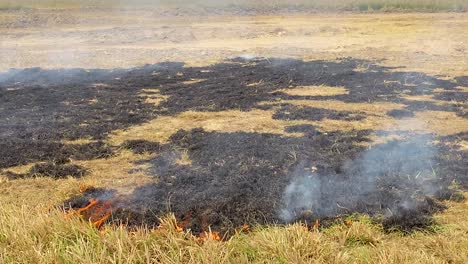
[(243, 228), (205, 236), (316, 225), (179, 228), (181, 225), (92, 202), (96, 211)]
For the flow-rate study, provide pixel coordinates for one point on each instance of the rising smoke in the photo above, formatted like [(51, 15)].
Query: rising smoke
[(407, 166)]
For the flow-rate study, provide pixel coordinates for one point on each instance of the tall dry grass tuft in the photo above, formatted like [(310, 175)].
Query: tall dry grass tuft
[(290, 244)]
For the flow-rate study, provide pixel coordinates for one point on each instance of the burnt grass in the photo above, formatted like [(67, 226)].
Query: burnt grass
[(292, 112), (234, 178), (52, 170), (142, 146)]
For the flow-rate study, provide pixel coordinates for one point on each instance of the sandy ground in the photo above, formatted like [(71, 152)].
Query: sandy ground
[(431, 43)]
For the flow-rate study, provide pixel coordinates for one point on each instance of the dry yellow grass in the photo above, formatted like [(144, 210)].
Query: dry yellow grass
[(257, 121), (114, 173), (35, 234), (430, 98), (315, 91), (442, 123), (152, 96), (78, 141), (376, 114), (183, 159), (21, 168), (37, 192), (379, 108), (261, 121), (119, 172), (160, 129)]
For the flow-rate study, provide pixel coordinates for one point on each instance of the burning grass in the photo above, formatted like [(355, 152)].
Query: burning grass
[(42, 235), (226, 157), (96, 212), (229, 199), (228, 147), (213, 148)]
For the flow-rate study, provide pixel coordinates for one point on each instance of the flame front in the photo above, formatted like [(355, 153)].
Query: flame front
[(96, 212), (205, 236)]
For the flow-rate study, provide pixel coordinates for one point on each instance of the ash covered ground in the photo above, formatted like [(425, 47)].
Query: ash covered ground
[(238, 178)]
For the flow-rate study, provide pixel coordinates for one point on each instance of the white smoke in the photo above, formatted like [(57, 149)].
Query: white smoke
[(405, 167), (301, 195)]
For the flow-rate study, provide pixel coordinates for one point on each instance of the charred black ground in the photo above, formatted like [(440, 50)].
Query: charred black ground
[(238, 178), (234, 178), (142, 146), (292, 112), (49, 169)]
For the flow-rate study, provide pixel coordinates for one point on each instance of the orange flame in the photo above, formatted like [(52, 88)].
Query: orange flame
[(179, 228), (92, 202), (184, 223), (98, 223), (97, 212), (205, 236), (243, 228), (316, 225)]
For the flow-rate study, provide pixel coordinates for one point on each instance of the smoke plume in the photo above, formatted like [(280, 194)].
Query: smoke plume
[(391, 177)]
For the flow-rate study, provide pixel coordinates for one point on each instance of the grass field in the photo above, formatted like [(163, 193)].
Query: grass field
[(41, 235), (368, 65), (357, 5)]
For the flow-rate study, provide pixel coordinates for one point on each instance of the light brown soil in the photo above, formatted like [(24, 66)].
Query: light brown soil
[(431, 43)]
